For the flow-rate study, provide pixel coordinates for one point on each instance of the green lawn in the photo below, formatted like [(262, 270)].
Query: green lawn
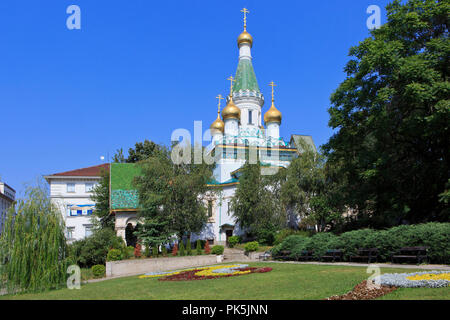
[(285, 281)]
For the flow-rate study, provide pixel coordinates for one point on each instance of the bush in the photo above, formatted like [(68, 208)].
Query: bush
[(175, 249), (207, 249), (114, 255), (129, 252), (98, 271), (232, 241), (251, 246), (283, 234), (164, 250), (94, 249), (217, 250), (155, 251), (182, 251), (434, 235), (137, 251), (188, 247), (199, 247), (266, 236)]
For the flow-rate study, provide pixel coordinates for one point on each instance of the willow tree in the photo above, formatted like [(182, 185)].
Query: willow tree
[(33, 250)]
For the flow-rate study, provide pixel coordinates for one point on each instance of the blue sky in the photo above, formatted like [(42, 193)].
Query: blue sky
[(140, 69)]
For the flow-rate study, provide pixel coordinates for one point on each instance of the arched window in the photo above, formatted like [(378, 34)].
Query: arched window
[(250, 117)]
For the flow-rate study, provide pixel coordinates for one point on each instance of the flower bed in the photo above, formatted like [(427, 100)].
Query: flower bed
[(206, 273), (429, 279)]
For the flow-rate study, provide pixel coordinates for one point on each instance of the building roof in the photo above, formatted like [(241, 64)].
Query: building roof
[(245, 77), (94, 171), (296, 138), (123, 193)]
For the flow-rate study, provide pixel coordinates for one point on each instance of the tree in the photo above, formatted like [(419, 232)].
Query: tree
[(305, 189), (101, 217), (153, 232), (256, 203), (173, 193), (33, 250), (389, 159)]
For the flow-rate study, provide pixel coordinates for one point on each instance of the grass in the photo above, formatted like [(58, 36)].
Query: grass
[(285, 281)]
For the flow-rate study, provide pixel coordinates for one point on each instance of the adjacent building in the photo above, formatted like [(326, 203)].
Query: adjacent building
[(7, 197), (71, 192)]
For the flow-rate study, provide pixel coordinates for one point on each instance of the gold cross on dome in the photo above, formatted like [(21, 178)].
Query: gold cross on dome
[(272, 84), (220, 98), (245, 11), (231, 79)]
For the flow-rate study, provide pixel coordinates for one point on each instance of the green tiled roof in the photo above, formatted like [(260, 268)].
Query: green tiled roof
[(123, 193), (245, 77), (296, 138)]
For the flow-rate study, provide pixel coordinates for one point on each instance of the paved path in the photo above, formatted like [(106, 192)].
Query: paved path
[(381, 265)]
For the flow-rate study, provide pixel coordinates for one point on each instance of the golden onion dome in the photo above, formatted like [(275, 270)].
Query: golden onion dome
[(272, 115), (217, 125), (245, 37), (231, 111)]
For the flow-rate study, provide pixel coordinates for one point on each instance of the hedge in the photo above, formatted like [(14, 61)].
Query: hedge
[(218, 250), (434, 235)]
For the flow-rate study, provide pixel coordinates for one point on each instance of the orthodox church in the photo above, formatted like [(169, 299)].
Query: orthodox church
[(240, 133)]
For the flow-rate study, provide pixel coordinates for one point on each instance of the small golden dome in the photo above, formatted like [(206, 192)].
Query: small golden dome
[(272, 115), (231, 111), (245, 37), (217, 125)]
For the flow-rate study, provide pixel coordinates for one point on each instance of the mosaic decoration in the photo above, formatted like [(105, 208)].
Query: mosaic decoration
[(202, 273), (124, 199)]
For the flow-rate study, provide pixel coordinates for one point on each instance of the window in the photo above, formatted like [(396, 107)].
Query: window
[(250, 117), (79, 212), (88, 187), (89, 212), (71, 187), (210, 208), (228, 208), (87, 230), (70, 231)]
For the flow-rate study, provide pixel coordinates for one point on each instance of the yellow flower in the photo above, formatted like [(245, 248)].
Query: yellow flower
[(431, 276)]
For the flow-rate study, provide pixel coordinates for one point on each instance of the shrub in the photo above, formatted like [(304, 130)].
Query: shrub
[(137, 250), (232, 241), (114, 255), (147, 251), (98, 271), (217, 250), (164, 250), (175, 249), (182, 251), (351, 241), (251, 246), (199, 247), (266, 236), (129, 252), (155, 251), (94, 249), (283, 234), (188, 247), (321, 242), (207, 248), (293, 243)]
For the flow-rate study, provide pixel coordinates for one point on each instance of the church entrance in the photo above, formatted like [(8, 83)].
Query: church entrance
[(228, 234), (130, 238)]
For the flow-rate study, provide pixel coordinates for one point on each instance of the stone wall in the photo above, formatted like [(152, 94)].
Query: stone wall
[(141, 266)]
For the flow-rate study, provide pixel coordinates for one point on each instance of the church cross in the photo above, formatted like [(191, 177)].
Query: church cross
[(231, 79), (220, 98), (245, 11), (272, 84)]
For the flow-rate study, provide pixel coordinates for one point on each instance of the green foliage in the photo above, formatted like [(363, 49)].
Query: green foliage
[(188, 247), (255, 204), (164, 251), (232, 241), (217, 250), (390, 157), (199, 247), (251, 246), (152, 231), (114, 255), (101, 217), (171, 193), (181, 249), (98, 271), (129, 252), (284, 233), (33, 250), (94, 249), (155, 251), (434, 235)]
